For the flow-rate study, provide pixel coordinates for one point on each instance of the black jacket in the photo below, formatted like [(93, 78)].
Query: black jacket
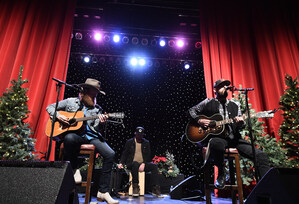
[(129, 152)]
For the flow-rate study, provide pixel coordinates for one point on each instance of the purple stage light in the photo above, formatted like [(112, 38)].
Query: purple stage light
[(180, 43), (97, 36)]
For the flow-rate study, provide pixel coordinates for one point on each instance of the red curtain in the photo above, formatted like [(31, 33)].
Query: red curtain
[(252, 43), (36, 34)]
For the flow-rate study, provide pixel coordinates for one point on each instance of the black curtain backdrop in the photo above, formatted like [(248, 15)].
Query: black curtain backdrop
[(156, 97)]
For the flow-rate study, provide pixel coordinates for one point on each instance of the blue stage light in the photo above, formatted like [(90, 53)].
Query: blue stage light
[(133, 61), (86, 59), (162, 43), (116, 38)]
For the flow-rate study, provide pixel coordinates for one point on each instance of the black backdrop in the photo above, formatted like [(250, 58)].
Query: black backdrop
[(155, 97)]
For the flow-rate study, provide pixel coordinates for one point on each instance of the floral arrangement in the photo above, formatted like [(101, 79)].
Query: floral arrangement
[(166, 165)]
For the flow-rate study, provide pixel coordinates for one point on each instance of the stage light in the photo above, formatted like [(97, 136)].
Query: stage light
[(118, 61), (97, 36), (154, 42), (150, 63), (116, 38), (135, 40), (180, 43), (86, 59), (125, 40), (144, 41), (162, 43), (78, 36), (187, 65), (157, 63), (94, 60), (102, 60), (133, 61), (141, 62), (171, 43), (198, 45), (106, 38)]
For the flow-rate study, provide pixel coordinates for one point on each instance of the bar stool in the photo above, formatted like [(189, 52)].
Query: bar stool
[(230, 155), (85, 149), (141, 177)]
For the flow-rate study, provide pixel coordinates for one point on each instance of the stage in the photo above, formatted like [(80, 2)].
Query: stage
[(148, 199)]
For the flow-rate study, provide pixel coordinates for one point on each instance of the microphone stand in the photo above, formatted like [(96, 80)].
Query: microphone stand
[(245, 91), (58, 88)]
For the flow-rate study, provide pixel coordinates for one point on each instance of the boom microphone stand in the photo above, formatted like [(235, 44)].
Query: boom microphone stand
[(58, 88), (245, 91)]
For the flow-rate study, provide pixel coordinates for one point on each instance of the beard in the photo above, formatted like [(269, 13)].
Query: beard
[(88, 101), (222, 94)]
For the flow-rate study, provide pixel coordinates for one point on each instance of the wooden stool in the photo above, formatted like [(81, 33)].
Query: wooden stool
[(230, 155), (141, 176), (85, 149)]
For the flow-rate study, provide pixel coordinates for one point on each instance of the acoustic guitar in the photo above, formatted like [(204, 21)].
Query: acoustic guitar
[(195, 133), (76, 123)]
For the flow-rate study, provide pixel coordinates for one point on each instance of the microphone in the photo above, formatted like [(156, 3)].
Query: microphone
[(74, 86), (229, 87)]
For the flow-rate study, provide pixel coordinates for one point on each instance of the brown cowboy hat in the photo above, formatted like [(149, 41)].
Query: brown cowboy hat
[(92, 83), (221, 82)]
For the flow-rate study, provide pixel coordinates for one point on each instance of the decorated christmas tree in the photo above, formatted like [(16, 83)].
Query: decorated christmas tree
[(15, 143), (262, 141), (289, 129)]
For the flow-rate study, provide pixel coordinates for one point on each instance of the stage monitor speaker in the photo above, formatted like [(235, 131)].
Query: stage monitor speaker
[(279, 185), (187, 189), (37, 182)]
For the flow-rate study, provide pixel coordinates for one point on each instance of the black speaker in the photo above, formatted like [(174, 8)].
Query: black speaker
[(37, 182), (279, 185), (188, 189)]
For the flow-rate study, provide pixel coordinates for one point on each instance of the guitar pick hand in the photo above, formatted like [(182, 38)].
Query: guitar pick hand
[(204, 122), (63, 119)]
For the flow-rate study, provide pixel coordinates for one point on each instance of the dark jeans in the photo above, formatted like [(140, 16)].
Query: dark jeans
[(72, 143), (148, 167), (218, 146)]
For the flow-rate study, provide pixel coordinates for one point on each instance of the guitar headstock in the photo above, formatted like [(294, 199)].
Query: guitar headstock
[(265, 114), (120, 115)]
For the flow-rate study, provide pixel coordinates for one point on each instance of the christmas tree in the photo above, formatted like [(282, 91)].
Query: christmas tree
[(15, 143), (289, 129), (262, 141)]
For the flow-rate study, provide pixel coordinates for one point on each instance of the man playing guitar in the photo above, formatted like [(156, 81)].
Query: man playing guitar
[(230, 136), (86, 103)]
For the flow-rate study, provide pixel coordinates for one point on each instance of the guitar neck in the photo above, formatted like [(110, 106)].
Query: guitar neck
[(116, 115), (230, 120)]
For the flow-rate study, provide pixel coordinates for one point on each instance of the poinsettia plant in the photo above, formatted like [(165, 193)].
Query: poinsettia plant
[(166, 165)]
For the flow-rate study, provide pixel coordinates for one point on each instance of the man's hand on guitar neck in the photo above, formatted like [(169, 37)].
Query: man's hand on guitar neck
[(204, 122), (63, 119), (103, 117)]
